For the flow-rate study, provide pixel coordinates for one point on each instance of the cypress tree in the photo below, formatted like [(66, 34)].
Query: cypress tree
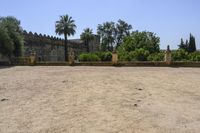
[(184, 45), (181, 46), (187, 45), (192, 44)]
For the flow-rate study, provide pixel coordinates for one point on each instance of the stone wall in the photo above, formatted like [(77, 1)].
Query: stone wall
[(49, 48), (3, 58)]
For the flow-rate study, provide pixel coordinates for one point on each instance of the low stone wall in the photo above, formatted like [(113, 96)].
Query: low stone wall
[(143, 63), (159, 64), (185, 64), (94, 64), (21, 61), (4, 63), (52, 64), (125, 64), (27, 62), (3, 58)]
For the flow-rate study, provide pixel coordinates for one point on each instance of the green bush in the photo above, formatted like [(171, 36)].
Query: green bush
[(123, 55), (156, 57), (180, 55), (195, 56), (104, 56), (89, 57), (139, 55)]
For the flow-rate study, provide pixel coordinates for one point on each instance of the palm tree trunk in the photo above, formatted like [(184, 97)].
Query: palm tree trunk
[(88, 48), (112, 47), (66, 49)]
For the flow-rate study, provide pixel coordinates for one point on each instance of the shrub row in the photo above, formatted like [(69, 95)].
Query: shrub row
[(182, 55), (89, 57), (98, 56), (143, 55), (140, 55)]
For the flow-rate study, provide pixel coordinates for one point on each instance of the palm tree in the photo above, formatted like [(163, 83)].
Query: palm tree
[(67, 27), (107, 32), (87, 36)]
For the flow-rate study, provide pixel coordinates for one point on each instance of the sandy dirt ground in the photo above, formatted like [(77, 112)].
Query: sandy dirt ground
[(99, 100)]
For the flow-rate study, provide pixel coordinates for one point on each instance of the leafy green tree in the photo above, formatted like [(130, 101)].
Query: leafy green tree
[(112, 34), (65, 26), (87, 36), (145, 40), (192, 44), (107, 32), (11, 26), (123, 29), (6, 43)]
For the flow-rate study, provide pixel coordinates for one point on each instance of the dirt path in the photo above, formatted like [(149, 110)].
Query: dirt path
[(99, 100)]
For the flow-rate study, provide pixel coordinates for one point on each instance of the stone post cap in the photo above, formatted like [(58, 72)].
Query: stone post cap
[(33, 53), (114, 51), (168, 48)]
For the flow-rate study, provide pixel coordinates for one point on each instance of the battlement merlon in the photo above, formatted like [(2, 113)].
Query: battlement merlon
[(53, 38)]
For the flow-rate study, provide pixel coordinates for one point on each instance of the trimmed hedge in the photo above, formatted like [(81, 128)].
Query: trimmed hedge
[(89, 57), (194, 56), (180, 55), (98, 56), (104, 56), (140, 55), (156, 57)]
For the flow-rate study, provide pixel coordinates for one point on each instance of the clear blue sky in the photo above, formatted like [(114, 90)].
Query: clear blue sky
[(171, 20)]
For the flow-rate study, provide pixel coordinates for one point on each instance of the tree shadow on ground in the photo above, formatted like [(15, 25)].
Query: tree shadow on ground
[(5, 67)]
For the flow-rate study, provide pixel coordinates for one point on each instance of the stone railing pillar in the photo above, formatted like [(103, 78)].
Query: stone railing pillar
[(168, 56), (114, 58), (71, 56), (33, 58)]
